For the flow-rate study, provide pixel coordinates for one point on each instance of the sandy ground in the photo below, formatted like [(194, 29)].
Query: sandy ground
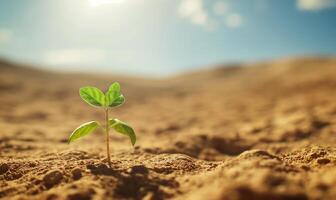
[(258, 131)]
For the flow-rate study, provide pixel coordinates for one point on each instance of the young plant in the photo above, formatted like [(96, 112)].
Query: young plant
[(112, 98)]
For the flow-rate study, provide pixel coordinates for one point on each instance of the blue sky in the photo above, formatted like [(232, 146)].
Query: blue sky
[(161, 37)]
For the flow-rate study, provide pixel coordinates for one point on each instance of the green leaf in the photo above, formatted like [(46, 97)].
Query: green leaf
[(113, 96), (115, 86), (92, 96), (83, 130), (118, 101), (123, 128)]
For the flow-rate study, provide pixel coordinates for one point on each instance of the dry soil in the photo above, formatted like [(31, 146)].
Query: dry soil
[(252, 131)]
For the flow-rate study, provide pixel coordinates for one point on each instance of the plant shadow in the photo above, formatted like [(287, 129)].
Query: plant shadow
[(136, 183)]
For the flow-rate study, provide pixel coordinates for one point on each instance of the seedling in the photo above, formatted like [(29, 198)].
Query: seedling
[(112, 98)]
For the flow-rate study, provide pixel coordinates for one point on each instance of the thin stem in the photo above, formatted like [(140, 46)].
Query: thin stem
[(107, 137)]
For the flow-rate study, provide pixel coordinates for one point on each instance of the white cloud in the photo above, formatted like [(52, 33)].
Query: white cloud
[(74, 56), (220, 8), (209, 16), (233, 20), (5, 35), (315, 5), (194, 11)]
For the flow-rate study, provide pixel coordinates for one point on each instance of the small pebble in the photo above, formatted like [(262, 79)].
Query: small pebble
[(52, 178), (139, 169), (323, 161), (76, 173), (4, 168), (305, 167)]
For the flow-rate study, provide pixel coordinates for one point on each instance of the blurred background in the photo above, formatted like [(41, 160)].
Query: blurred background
[(162, 37), (229, 99)]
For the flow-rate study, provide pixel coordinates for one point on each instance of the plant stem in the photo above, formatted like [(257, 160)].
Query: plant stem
[(107, 137)]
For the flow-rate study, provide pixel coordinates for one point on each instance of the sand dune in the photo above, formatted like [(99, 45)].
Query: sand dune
[(244, 131)]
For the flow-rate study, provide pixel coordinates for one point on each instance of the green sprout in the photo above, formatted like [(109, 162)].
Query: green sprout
[(112, 98)]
